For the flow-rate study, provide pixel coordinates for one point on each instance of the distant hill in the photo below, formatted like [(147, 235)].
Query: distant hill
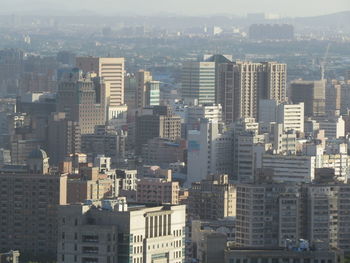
[(339, 20)]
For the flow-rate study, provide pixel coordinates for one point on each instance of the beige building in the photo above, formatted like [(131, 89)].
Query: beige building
[(29, 198), (111, 70), (158, 191), (90, 184), (110, 231), (212, 198)]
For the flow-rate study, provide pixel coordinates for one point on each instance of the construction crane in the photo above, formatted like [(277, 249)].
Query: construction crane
[(324, 61)]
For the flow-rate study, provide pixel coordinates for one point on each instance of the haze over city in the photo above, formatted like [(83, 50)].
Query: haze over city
[(290, 8)]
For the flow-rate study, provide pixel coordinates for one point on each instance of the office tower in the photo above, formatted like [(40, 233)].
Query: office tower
[(147, 90), (267, 214), (111, 70), (209, 151), (271, 32), (157, 190), (212, 198), (225, 81), (158, 122), (78, 97), (198, 82), (152, 93), (105, 141), (110, 231), (220, 61), (90, 184), (312, 93), (64, 138), (130, 89), (30, 196)]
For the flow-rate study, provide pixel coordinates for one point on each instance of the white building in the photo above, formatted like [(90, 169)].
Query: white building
[(291, 116), (290, 168), (209, 151)]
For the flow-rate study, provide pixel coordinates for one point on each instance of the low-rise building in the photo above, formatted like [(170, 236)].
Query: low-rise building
[(112, 231)]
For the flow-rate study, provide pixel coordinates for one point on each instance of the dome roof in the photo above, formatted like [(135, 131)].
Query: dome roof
[(37, 154)]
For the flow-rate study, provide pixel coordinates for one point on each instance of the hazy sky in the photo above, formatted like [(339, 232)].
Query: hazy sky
[(186, 7)]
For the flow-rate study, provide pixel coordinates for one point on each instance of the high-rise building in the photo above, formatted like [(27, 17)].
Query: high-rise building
[(198, 82), (212, 198), (249, 146), (30, 196), (158, 122), (243, 84), (142, 78), (267, 214), (79, 97), (312, 94), (328, 208), (110, 231), (63, 138), (111, 70), (209, 151), (152, 93)]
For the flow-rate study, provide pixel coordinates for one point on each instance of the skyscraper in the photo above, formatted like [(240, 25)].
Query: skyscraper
[(111, 70), (312, 93), (79, 97), (241, 85), (198, 82)]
